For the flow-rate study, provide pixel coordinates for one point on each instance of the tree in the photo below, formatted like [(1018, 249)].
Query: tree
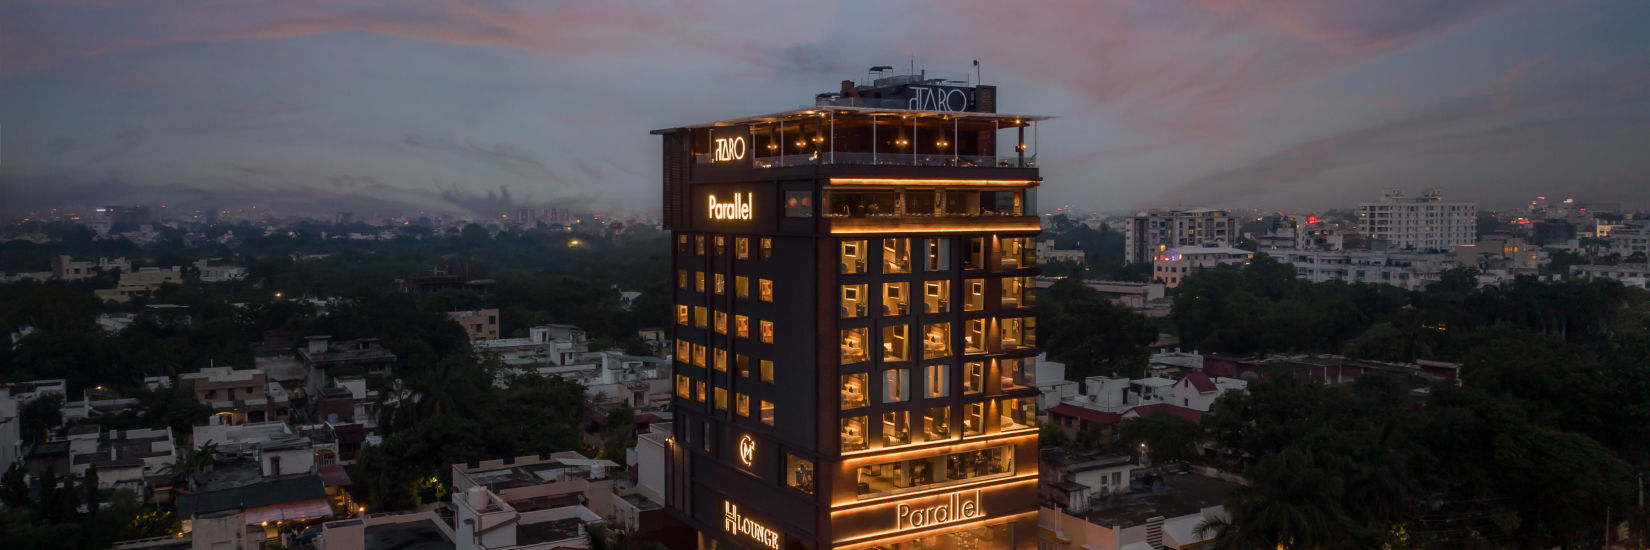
[(14, 488), (93, 498), (1166, 438), (40, 416), (1092, 335)]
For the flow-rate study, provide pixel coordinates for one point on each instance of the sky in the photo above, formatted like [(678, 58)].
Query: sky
[(476, 106)]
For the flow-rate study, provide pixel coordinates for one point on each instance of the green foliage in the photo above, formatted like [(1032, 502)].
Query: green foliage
[(1092, 335), (1166, 438), (39, 417)]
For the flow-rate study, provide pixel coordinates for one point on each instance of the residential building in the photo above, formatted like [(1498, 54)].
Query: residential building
[(125, 459), (1408, 270), (1631, 238), (479, 324), (1500, 252), (1634, 275), (1046, 253), (541, 347), (323, 357), (1109, 503), (614, 379), (218, 273), (1425, 223), (526, 502), (1155, 231), (853, 290), (142, 282), (65, 268), (1173, 265), (239, 396)]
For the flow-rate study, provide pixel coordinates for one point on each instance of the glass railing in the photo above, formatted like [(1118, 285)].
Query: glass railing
[(881, 159)]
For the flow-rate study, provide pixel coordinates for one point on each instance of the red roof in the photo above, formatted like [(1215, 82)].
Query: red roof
[(645, 418), (1201, 382), (333, 475), (1142, 411), (1084, 414)]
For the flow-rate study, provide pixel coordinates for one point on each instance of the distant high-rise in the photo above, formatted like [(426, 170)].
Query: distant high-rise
[(1155, 231), (854, 331), (1424, 223)]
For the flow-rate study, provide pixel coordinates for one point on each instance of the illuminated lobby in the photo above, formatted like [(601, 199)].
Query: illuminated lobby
[(854, 326)]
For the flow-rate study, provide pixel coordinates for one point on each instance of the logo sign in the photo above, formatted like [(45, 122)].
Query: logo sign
[(960, 506), (740, 525), (747, 450), (936, 98), (730, 149), (738, 209)]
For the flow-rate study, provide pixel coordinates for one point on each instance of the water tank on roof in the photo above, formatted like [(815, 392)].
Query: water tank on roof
[(476, 497)]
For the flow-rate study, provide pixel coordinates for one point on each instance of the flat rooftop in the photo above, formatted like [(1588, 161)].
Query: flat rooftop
[(511, 477), (549, 531), (1010, 119), (1178, 495), (418, 535)]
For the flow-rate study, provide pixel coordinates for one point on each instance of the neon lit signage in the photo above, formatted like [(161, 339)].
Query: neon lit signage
[(730, 149), (747, 450), (738, 209), (959, 506), (936, 98), (739, 525)]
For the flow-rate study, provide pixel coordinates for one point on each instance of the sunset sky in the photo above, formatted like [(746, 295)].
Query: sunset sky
[(473, 106)]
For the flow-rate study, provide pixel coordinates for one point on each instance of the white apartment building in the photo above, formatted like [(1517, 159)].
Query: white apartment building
[(1632, 237), (1634, 275), (1422, 223), (1173, 265), (1158, 230), (1409, 270)]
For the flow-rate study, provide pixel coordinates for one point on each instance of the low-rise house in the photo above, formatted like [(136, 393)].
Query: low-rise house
[(125, 459), (479, 324), (138, 283), (544, 345), (1173, 265), (1046, 253), (1105, 503), (218, 273), (65, 268), (1633, 275), (540, 501), (324, 358), (1408, 270), (238, 395)]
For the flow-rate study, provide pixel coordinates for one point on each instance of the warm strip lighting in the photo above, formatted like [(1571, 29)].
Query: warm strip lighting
[(902, 536), (907, 225), (942, 448), (895, 181), (983, 483)]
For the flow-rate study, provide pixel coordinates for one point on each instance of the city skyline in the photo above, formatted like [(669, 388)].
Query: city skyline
[(490, 107)]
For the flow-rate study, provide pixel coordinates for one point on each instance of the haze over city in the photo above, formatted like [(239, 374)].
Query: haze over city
[(476, 108)]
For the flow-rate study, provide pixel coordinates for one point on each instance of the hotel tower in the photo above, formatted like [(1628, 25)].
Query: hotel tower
[(854, 325)]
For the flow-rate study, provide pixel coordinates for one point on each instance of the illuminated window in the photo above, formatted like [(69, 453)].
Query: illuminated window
[(766, 329), (699, 245), (854, 390), (1019, 332), (698, 281), (937, 253), (1018, 413), (853, 301), (896, 255), (742, 248), (721, 360), (721, 244), (853, 346), (741, 286), (1016, 252), (701, 317), (698, 355), (699, 390), (896, 428), (764, 289), (741, 326), (853, 257), (767, 370), (973, 294), (1016, 373), (765, 252), (683, 387), (1019, 292), (681, 244), (896, 385), (974, 336), (767, 412), (974, 377), (974, 256), (853, 434), (936, 296), (742, 404), (936, 341), (935, 471), (742, 364), (721, 284), (682, 316), (799, 473), (936, 380), (721, 399), (923, 202), (973, 419), (936, 424), (684, 351), (896, 343), (682, 279), (721, 323), (896, 299)]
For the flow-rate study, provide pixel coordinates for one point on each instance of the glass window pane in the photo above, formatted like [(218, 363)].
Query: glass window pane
[(896, 385), (853, 434), (854, 343), (854, 390)]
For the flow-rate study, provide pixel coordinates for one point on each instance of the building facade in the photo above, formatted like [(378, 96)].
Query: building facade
[(1424, 223), (1413, 271), (853, 331), (1155, 231), (1173, 265)]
